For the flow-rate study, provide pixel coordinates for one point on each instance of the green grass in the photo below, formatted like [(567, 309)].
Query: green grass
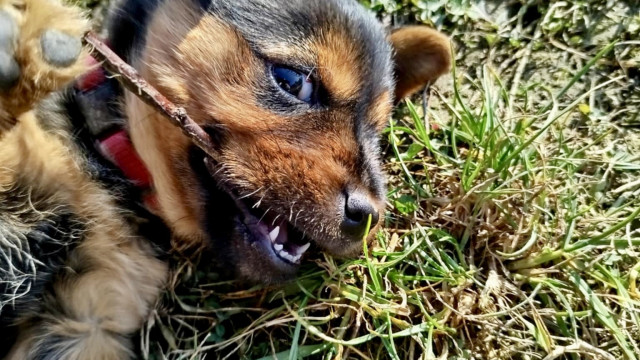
[(512, 229)]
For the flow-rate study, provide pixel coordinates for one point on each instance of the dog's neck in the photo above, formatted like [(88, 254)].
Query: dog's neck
[(97, 96)]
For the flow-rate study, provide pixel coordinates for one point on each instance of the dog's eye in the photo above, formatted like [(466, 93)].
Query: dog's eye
[(294, 82)]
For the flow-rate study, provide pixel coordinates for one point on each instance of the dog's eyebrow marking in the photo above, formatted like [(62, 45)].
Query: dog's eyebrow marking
[(339, 61)]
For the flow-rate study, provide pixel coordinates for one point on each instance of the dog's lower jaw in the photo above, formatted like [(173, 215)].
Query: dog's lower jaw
[(345, 250), (254, 259), (261, 246)]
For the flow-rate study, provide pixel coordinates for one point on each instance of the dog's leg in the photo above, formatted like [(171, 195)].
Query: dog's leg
[(95, 305), (109, 282)]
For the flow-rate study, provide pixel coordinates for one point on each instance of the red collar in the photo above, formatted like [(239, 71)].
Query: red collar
[(118, 149), (116, 145)]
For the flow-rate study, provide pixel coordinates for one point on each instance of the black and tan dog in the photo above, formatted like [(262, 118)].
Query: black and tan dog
[(294, 92)]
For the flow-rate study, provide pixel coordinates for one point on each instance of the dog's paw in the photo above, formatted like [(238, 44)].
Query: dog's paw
[(40, 50)]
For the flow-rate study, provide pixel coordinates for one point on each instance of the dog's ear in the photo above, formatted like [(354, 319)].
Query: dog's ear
[(421, 55)]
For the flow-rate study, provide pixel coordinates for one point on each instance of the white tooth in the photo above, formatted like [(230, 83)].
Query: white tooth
[(278, 247), (273, 235), (296, 258), (302, 249), (285, 255)]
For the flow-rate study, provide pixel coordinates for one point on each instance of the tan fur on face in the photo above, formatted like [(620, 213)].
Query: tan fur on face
[(161, 146), (298, 164), (337, 54), (380, 110), (293, 165)]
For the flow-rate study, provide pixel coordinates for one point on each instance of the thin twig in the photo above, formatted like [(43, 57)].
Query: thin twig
[(131, 79)]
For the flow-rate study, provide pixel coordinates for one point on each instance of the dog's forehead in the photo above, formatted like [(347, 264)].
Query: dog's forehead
[(290, 19), (287, 18), (311, 29)]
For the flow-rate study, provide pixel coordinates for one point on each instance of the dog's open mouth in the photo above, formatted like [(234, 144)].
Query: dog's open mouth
[(277, 235), (267, 230)]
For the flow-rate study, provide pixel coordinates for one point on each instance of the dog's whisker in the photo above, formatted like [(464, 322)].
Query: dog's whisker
[(257, 204), (250, 194), (293, 204), (295, 222), (265, 214)]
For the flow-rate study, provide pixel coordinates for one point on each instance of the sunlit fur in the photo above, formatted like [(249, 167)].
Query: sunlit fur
[(80, 269)]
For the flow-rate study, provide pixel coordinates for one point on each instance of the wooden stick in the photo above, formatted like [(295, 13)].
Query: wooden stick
[(131, 79)]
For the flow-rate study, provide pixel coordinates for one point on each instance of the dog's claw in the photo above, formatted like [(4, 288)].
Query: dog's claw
[(8, 31), (60, 49), (9, 69)]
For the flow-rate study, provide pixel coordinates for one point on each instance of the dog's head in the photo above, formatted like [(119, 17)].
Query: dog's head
[(294, 94)]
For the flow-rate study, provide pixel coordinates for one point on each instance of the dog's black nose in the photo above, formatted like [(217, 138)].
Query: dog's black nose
[(358, 208)]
